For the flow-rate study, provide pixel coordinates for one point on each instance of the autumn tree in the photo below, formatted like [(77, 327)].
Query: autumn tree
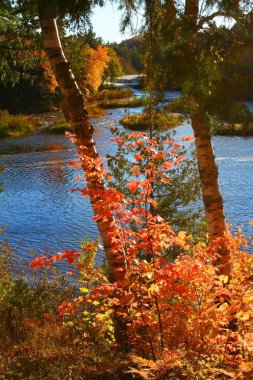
[(95, 67), (78, 115), (48, 13), (114, 68), (198, 55), (17, 41)]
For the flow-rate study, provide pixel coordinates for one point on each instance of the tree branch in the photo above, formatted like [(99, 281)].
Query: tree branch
[(209, 18)]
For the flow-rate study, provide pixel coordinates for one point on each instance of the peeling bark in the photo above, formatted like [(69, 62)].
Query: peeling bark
[(208, 170), (76, 112), (212, 198)]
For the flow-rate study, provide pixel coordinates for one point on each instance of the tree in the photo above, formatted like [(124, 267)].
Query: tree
[(18, 40), (198, 56), (130, 54), (90, 162), (177, 197), (208, 170), (95, 67), (114, 68), (77, 113)]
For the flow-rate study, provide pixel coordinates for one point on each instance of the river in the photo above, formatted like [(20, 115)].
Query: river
[(40, 213)]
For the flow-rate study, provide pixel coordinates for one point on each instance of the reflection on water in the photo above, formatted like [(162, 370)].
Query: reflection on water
[(41, 211)]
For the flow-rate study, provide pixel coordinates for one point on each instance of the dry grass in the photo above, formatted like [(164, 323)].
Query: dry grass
[(16, 126), (141, 122), (234, 129), (123, 103), (109, 94), (36, 344)]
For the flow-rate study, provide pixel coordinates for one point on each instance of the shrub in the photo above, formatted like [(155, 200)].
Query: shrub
[(183, 318), (162, 121)]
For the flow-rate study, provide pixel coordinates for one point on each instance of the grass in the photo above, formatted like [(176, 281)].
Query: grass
[(34, 343), (122, 103), (95, 111), (233, 129), (108, 94), (16, 126), (59, 126), (163, 121)]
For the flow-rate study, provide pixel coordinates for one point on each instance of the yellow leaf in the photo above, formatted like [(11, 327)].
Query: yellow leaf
[(84, 290), (153, 289), (181, 235), (223, 278), (245, 317), (248, 299)]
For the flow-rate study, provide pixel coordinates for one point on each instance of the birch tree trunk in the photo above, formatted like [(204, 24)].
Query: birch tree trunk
[(78, 116), (208, 173), (212, 198), (208, 170)]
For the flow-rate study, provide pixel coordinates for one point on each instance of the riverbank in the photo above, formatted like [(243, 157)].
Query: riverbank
[(36, 343), (54, 122), (17, 125), (170, 116), (162, 121), (235, 129)]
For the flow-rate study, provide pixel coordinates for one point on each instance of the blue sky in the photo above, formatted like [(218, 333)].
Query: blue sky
[(106, 23)]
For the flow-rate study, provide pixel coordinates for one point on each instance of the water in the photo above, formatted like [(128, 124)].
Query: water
[(42, 213)]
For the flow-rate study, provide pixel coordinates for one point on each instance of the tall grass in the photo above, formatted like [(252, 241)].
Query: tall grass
[(162, 121), (34, 342), (233, 129), (16, 126), (108, 94), (122, 103)]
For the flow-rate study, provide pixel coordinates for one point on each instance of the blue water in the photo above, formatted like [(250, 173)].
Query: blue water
[(43, 214)]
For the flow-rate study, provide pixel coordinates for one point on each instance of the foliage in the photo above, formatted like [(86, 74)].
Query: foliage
[(114, 68), (23, 303), (49, 83), (176, 197), (129, 53), (35, 343), (17, 41), (95, 67), (16, 126), (162, 121), (180, 314), (203, 57)]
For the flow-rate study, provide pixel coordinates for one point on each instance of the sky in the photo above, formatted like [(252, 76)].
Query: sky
[(106, 23)]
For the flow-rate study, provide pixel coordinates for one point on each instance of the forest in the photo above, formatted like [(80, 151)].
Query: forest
[(118, 259)]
